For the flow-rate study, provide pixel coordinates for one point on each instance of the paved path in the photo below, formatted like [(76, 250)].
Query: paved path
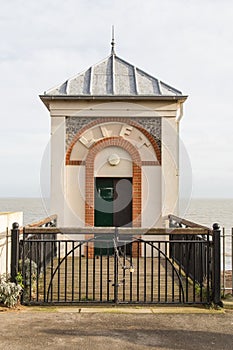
[(110, 329)]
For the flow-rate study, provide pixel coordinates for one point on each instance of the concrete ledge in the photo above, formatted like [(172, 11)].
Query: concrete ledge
[(124, 310), (228, 304)]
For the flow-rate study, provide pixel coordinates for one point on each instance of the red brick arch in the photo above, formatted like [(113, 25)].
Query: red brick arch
[(119, 120), (136, 181)]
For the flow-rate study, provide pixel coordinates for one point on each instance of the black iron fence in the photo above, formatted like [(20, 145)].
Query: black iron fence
[(195, 258), (38, 248), (119, 265)]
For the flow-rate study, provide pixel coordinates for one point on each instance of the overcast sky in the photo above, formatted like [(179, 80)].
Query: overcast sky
[(188, 44)]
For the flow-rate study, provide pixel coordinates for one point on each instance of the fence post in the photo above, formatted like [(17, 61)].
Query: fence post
[(216, 265), (116, 283), (14, 251)]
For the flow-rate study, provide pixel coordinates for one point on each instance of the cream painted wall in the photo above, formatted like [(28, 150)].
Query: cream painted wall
[(75, 197), (8, 218), (57, 167), (151, 196), (6, 221), (170, 167), (106, 108), (103, 168)]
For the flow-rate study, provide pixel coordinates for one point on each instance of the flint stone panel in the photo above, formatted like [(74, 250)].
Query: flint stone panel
[(150, 124)]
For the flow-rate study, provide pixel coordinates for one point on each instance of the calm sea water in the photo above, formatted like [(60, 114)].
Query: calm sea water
[(209, 211), (202, 211), (33, 208)]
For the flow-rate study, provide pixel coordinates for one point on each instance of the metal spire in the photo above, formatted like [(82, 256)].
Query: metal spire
[(113, 42)]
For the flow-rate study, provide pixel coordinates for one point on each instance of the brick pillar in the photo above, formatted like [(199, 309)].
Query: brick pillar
[(89, 248)]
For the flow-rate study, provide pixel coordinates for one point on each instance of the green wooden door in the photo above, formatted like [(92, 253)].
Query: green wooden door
[(104, 197), (113, 207)]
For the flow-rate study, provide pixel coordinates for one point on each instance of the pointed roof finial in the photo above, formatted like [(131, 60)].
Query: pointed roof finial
[(113, 42)]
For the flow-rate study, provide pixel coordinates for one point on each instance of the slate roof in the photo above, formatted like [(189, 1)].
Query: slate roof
[(113, 77)]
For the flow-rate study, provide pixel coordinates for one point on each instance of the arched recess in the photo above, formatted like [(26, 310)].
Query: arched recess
[(99, 121), (136, 181)]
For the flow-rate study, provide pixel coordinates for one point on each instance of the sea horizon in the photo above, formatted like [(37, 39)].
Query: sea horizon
[(201, 210)]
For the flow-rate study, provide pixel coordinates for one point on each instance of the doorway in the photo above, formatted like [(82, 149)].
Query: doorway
[(113, 207)]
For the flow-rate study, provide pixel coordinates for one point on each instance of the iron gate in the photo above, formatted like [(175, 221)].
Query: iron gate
[(68, 267)]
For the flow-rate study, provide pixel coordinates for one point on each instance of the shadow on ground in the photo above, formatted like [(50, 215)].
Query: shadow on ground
[(161, 339)]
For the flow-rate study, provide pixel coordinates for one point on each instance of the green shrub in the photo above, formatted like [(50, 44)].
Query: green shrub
[(9, 291), (19, 279), (27, 278)]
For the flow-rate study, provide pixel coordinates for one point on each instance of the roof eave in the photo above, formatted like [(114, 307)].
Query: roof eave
[(47, 98)]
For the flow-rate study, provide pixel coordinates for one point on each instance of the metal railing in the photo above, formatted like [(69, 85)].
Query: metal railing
[(226, 252), (119, 265), (195, 259), (41, 253), (50, 221)]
